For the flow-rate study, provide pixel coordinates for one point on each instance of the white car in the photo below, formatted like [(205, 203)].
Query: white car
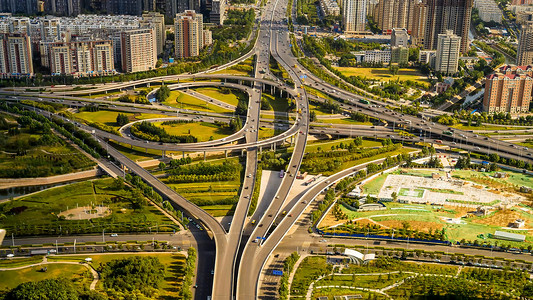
[(114, 235)]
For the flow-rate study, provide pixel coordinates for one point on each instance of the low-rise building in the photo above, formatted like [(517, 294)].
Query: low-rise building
[(329, 8)]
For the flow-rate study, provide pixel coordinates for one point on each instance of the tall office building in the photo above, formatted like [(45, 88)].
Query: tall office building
[(443, 15), (138, 50), (15, 55), (509, 90), (188, 34), (156, 21), (399, 37), (354, 15), (525, 45), (27, 7), (82, 58), (447, 59)]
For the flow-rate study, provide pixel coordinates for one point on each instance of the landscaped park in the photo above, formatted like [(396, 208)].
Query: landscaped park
[(464, 206)]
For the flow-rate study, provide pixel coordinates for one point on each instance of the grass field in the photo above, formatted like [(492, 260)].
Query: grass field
[(217, 197), (109, 117), (347, 121), (309, 270), (278, 104), (383, 74), (314, 146), (174, 265), (184, 101), (202, 130), (215, 93), (487, 127), (11, 279), (22, 156), (38, 213)]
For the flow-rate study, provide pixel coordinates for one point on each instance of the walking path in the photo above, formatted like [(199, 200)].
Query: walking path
[(6, 183)]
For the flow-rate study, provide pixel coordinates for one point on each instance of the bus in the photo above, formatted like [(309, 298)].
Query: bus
[(281, 174), (364, 101)]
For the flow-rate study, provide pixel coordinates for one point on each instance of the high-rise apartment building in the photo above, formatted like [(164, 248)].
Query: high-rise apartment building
[(125, 7), (138, 50), (218, 10), (63, 7), (27, 7), (354, 15), (525, 45), (50, 30), (156, 21), (15, 55), (447, 59), (443, 15), (523, 17), (81, 58), (188, 34), (390, 14), (399, 37), (509, 91)]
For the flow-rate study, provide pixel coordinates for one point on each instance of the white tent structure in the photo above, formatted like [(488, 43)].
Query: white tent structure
[(357, 257)]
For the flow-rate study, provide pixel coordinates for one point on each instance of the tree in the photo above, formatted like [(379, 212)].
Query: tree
[(394, 196), (394, 69), (46, 289), (162, 166), (312, 116), (162, 93), (122, 119), (118, 184)]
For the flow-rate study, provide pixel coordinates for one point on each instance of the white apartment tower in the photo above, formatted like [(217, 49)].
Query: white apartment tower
[(156, 21), (15, 55), (354, 15), (188, 34), (448, 47), (525, 45), (138, 50)]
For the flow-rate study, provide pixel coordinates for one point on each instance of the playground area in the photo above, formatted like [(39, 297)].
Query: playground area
[(86, 213)]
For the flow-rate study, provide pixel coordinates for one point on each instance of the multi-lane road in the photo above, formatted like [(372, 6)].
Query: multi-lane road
[(236, 257)]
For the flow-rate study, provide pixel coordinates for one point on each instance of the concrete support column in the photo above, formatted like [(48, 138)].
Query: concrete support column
[(226, 153), (242, 152), (164, 153), (292, 139), (183, 154), (148, 84), (204, 156), (271, 90), (260, 149), (146, 150), (274, 147)]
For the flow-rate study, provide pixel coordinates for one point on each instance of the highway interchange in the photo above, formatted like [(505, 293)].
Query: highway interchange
[(238, 257)]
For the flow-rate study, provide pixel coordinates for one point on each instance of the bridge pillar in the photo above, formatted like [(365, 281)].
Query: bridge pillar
[(146, 150), (274, 146), (260, 149), (204, 156), (272, 90), (226, 153), (239, 81), (242, 152), (164, 153), (183, 154), (134, 86), (292, 139), (148, 84)]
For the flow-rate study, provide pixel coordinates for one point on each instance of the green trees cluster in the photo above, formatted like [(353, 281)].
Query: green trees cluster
[(235, 124), (288, 266), (359, 117), (58, 288), (275, 161), (237, 26), (122, 119), (44, 105), (133, 275), (148, 131), (204, 172), (162, 93), (190, 266), (331, 161)]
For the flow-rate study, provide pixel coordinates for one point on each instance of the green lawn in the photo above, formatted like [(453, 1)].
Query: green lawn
[(278, 104), (309, 270), (347, 121), (383, 74), (109, 117), (19, 261), (21, 156), (215, 93), (174, 264), (136, 153), (184, 101), (39, 213), (11, 279), (202, 130), (373, 186), (313, 146), (367, 281), (487, 127)]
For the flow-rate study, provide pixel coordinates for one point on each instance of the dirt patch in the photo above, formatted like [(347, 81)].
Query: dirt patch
[(330, 220), (414, 225), (499, 218), (86, 213)]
